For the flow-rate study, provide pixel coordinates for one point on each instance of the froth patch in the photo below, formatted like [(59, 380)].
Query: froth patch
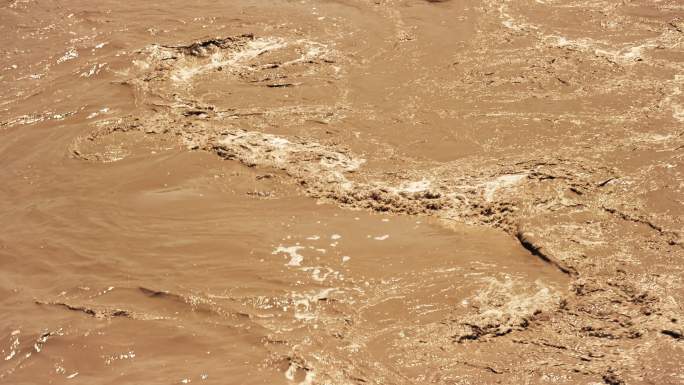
[(297, 157), (296, 259)]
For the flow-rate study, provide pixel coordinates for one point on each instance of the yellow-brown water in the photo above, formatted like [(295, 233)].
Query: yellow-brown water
[(341, 192)]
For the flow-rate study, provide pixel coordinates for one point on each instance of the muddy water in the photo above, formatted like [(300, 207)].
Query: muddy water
[(162, 268), (341, 192)]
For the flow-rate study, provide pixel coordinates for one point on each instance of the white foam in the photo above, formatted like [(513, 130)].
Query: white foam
[(304, 303), (349, 164), (70, 54), (501, 182), (309, 378), (413, 187), (94, 70), (626, 54), (14, 345), (320, 274), (295, 258), (235, 60), (292, 370), (278, 142), (677, 108), (381, 237)]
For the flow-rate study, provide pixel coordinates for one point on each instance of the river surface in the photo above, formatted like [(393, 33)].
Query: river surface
[(340, 192)]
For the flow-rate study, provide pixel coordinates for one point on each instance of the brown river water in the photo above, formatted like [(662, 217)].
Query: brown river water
[(341, 192)]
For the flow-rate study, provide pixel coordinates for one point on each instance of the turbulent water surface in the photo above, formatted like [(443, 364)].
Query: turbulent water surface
[(341, 192)]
